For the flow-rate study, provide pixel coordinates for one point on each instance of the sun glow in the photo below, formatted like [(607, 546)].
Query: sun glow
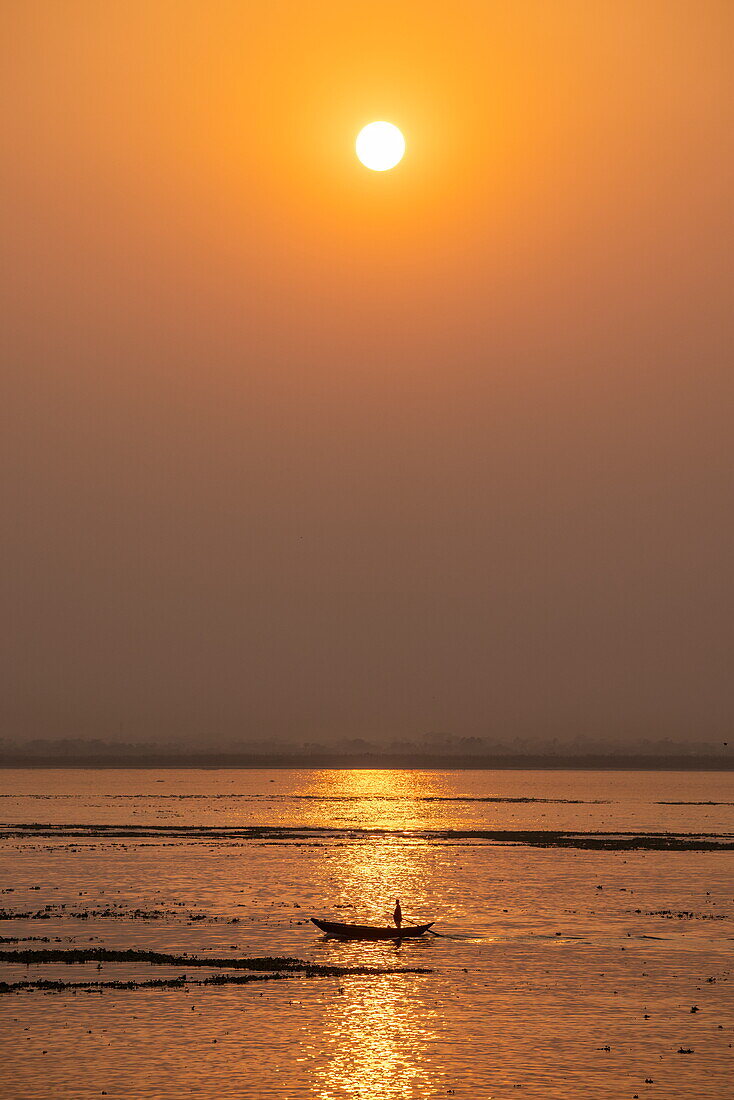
[(380, 146)]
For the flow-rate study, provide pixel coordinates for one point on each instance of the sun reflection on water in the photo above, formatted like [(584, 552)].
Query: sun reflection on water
[(379, 1033), (372, 798), (375, 869), (378, 1040)]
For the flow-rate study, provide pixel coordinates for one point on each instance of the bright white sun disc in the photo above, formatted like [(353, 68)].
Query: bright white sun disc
[(380, 146)]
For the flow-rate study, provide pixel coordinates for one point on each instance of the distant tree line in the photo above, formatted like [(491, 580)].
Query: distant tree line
[(433, 750)]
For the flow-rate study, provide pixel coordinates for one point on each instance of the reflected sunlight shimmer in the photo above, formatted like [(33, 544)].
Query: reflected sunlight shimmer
[(387, 799), (378, 1038), (369, 875), (378, 1035)]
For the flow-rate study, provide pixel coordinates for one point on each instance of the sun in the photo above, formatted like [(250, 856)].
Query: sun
[(380, 146)]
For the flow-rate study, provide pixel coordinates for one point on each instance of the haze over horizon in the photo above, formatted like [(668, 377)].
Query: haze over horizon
[(297, 451)]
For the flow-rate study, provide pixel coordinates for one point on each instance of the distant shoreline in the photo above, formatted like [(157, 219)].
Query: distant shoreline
[(338, 762)]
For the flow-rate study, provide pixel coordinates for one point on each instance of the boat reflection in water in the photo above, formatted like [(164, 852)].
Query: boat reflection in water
[(379, 1035)]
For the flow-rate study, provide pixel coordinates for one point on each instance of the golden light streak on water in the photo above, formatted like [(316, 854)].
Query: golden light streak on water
[(386, 799), (380, 1043), (378, 1036)]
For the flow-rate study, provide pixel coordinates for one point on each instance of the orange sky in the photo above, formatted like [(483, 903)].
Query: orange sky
[(294, 446)]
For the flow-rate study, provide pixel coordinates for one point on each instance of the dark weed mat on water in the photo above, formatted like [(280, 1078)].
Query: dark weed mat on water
[(281, 969), (536, 838), (59, 986), (158, 958), (230, 797), (151, 983), (50, 912)]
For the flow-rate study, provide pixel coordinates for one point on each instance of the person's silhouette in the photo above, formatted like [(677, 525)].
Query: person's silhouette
[(398, 913)]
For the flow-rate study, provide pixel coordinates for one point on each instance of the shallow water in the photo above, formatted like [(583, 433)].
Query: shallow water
[(547, 955)]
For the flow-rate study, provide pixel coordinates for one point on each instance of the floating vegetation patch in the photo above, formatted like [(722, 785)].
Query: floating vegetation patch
[(683, 914), (694, 803), (272, 797), (31, 956), (537, 838), (270, 968), (50, 912), (150, 983), (24, 939)]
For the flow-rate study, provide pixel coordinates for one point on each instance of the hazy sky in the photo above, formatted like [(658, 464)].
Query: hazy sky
[(294, 449)]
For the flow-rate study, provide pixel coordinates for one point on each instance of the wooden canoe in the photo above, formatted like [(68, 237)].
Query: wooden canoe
[(369, 931)]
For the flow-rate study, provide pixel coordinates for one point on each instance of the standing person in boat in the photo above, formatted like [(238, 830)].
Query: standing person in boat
[(397, 913)]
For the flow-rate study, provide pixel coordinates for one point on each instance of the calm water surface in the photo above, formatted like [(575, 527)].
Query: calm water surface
[(547, 956)]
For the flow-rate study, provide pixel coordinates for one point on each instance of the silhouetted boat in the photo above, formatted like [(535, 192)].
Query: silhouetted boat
[(369, 931)]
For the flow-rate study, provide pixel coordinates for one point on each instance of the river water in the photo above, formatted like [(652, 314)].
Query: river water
[(585, 921)]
